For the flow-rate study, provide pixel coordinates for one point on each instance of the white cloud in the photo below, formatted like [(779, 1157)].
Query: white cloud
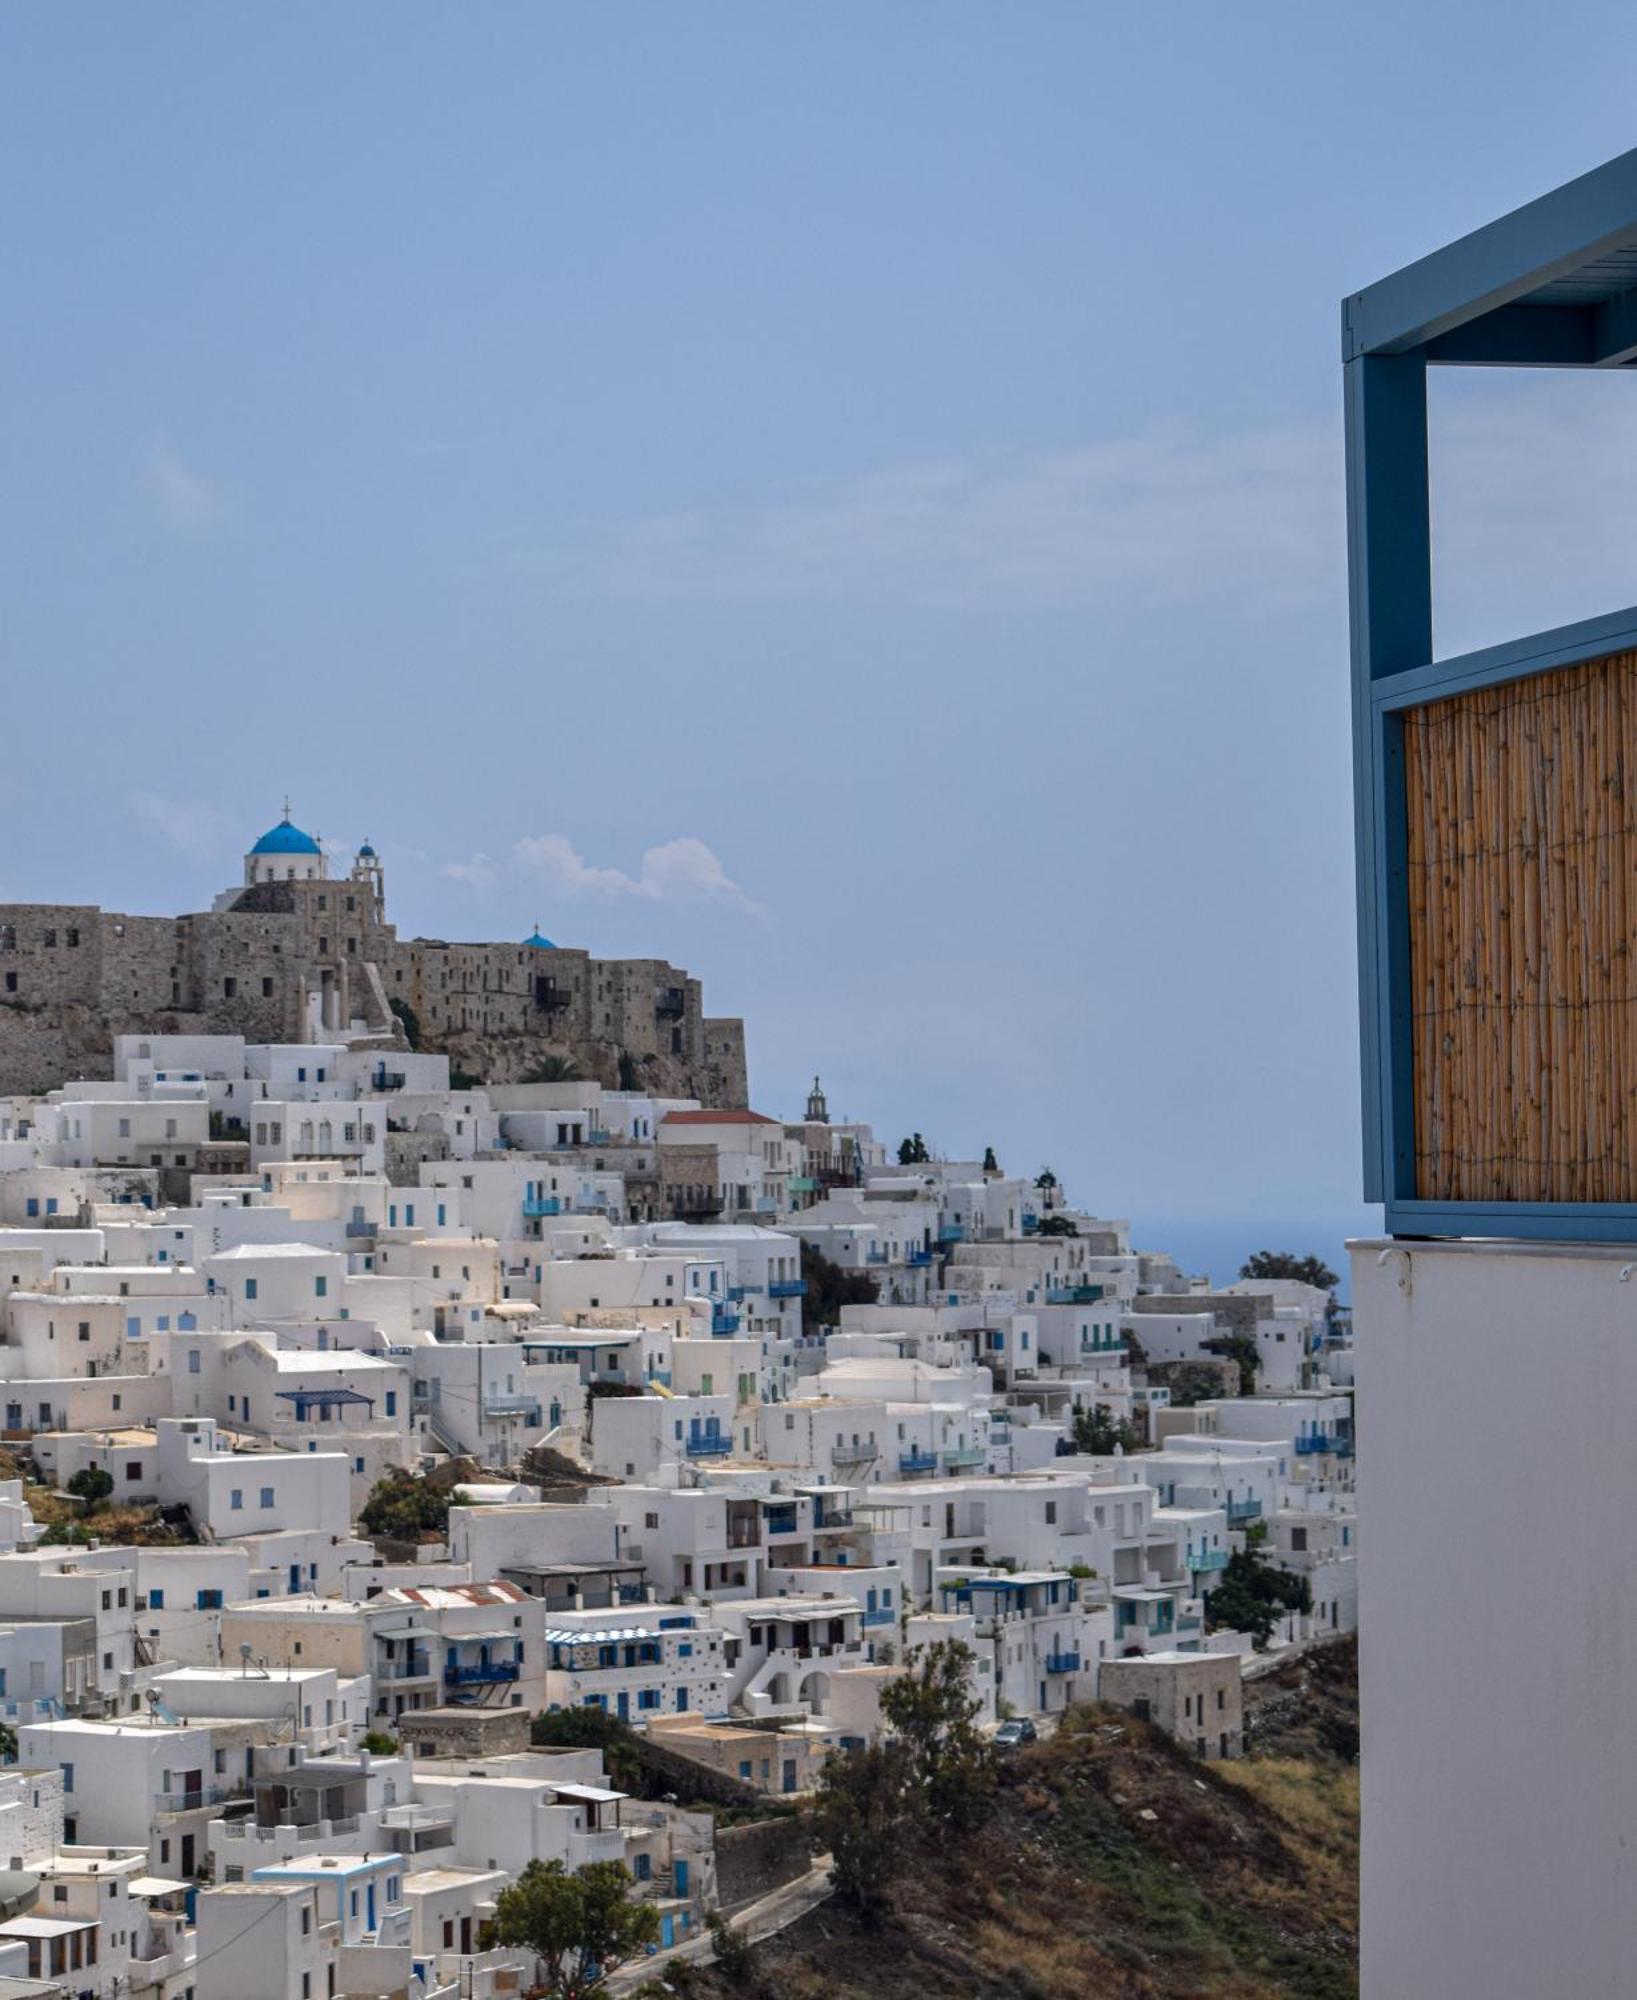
[(1162, 516), (188, 824), (478, 873), (183, 497), (677, 871)]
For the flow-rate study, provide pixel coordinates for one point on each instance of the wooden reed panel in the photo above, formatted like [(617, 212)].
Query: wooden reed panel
[(1522, 842)]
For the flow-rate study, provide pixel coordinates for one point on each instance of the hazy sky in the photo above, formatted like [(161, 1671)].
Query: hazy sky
[(846, 497)]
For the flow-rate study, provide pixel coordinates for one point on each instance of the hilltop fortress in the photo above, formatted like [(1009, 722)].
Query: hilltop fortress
[(295, 955)]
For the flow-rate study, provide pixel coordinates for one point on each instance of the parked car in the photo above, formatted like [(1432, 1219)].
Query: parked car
[(1014, 1733)]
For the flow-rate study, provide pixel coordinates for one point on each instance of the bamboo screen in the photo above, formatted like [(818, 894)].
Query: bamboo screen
[(1523, 937)]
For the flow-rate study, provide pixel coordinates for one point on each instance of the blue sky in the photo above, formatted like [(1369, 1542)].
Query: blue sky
[(846, 497)]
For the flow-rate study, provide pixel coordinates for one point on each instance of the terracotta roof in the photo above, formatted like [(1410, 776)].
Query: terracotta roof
[(716, 1118)]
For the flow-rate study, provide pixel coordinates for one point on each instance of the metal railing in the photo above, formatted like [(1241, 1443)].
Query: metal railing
[(917, 1461), (787, 1288)]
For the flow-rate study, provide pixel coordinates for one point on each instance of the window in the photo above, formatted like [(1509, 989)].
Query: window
[(392, 1402), (85, 1329), (68, 1777), (156, 1600), (267, 989), (193, 1360), (267, 1496), (321, 1286), (250, 1288), (236, 1499), (230, 989)]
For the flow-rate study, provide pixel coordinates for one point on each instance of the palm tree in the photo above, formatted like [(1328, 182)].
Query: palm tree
[(555, 1069)]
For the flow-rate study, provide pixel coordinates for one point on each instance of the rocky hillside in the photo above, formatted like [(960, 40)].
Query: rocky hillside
[(1117, 1865)]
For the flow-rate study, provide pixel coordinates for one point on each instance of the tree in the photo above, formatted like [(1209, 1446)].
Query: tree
[(580, 1926), (912, 1151), (592, 1729), (864, 1813), (1309, 1270), (378, 1743), (554, 1069), (1240, 1347), (1252, 1595), (933, 1712), (8, 1744), (1097, 1432), (409, 1020), (91, 1484), (630, 1075), (1058, 1225), (990, 1164), (403, 1508), (829, 1288)]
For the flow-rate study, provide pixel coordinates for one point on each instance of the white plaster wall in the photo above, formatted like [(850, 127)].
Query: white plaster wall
[(1497, 1387)]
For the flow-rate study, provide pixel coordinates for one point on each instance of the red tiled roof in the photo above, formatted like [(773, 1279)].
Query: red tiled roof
[(716, 1118)]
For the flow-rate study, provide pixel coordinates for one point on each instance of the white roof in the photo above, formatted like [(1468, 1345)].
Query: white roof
[(254, 1252)]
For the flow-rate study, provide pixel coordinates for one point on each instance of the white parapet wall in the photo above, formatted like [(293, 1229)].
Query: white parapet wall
[(1497, 1489)]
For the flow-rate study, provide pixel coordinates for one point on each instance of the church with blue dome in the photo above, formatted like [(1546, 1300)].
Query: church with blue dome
[(285, 854)]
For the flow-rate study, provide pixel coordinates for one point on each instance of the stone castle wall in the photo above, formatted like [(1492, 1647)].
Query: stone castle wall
[(73, 976)]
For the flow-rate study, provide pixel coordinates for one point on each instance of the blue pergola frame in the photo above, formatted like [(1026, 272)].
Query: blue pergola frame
[(1553, 285)]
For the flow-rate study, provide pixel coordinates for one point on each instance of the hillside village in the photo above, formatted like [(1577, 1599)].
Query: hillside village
[(360, 1413)]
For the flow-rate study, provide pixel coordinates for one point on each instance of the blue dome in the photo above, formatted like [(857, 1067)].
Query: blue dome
[(366, 852), (540, 943), (286, 839)]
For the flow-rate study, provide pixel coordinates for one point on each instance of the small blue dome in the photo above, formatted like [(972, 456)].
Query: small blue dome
[(286, 839), (540, 943), (366, 852)]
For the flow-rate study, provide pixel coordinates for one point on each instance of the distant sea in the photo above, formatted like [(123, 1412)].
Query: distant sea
[(1218, 1248)]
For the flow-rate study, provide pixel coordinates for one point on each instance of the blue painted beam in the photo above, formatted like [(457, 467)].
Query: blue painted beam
[(1498, 265), (1389, 559)]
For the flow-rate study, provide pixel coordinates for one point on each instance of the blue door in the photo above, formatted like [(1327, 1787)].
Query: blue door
[(295, 1577), (681, 1699), (679, 1870), (372, 1906), (625, 1706)]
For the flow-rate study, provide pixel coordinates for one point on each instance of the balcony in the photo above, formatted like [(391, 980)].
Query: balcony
[(598, 1137), (191, 1801), (739, 1293), (1073, 1295), (1063, 1663), (361, 1228), (709, 1444), (1313, 1442), (388, 1079), (512, 1406), (876, 1254), (1244, 1510), (552, 997), (880, 1614), (537, 1205), (782, 1521), (1205, 1560), (483, 1673), (1188, 1623), (917, 1461), (840, 1518), (787, 1288), (724, 1319), (917, 1260), (418, 1667), (1031, 1225), (672, 1004), (855, 1453), (1344, 1447), (965, 1454), (952, 1232)]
